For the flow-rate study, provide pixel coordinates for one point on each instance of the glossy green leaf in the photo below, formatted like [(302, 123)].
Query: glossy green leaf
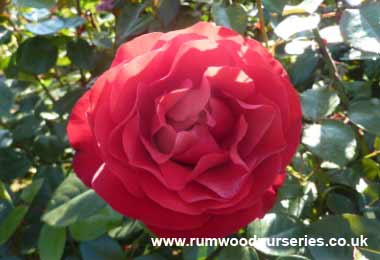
[(35, 14), (303, 69), (361, 27), (274, 5), (36, 3), (51, 243), (295, 24), (66, 103), (332, 141), (48, 147), (318, 103), (132, 22), (346, 226), (339, 204), (36, 55), (6, 99), (238, 252), (168, 10), (293, 257), (5, 35), (129, 229), (150, 257), (101, 249), (4, 194), (72, 202), (366, 114), (197, 252), (31, 191), (358, 90), (9, 225), (275, 226), (54, 25), (26, 128), (306, 6), (5, 138), (81, 54), (13, 164), (232, 16), (95, 225)]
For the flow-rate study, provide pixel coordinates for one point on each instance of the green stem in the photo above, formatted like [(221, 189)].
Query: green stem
[(46, 90), (338, 86)]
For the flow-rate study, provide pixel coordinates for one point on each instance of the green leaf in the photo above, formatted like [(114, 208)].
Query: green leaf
[(36, 14), (358, 90), (54, 25), (51, 243), (295, 24), (129, 229), (104, 220), (72, 202), (303, 69), (26, 128), (5, 138), (66, 103), (9, 225), (36, 55), (275, 226), (6, 99), (319, 102), (154, 256), (36, 3), (5, 35), (332, 141), (293, 257), (370, 169), (48, 147), (340, 204), (238, 252), (102, 248), (274, 5), (361, 27), (306, 6), (4, 194), (197, 252), (81, 54), (31, 191), (132, 22), (13, 164), (233, 16), (168, 10), (345, 226), (366, 115), (364, 254)]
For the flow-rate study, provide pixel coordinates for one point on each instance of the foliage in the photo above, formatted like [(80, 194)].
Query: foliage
[(52, 50)]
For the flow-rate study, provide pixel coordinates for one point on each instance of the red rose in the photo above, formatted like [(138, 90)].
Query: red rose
[(189, 131)]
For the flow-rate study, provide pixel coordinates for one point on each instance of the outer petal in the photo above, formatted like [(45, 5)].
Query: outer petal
[(222, 226), (86, 159), (136, 47), (110, 188)]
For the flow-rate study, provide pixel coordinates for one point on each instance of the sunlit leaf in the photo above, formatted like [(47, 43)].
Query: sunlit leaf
[(361, 27)]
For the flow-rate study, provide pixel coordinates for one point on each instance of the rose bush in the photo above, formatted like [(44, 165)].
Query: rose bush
[(189, 131)]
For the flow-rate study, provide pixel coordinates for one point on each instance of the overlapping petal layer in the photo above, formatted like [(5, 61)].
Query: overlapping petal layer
[(188, 131)]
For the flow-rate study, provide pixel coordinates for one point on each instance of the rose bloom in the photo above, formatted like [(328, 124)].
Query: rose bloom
[(189, 131)]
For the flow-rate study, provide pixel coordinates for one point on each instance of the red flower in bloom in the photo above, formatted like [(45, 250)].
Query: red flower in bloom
[(189, 131)]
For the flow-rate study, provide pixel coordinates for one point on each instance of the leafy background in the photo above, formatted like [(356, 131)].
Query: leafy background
[(52, 50)]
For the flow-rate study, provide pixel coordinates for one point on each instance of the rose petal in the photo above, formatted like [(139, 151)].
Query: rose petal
[(222, 226), (86, 160), (232, 80), (111, 190), (136, 47)]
